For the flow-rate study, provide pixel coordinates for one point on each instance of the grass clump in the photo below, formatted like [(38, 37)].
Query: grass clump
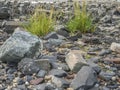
[(40, 22), (81, 22)]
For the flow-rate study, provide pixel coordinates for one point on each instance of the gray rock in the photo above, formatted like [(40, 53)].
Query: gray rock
[(44, 64), (59, 82), (21, 44), (58, 73), (39, 87), (52, 35), (28, 66), (75, 60), (86, 78), (55, 42), (115, 47), (106, 75), (4, 13), (41, 74)]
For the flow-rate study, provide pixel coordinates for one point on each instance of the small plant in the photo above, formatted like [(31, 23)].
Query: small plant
[(81, 21), (40, 23)]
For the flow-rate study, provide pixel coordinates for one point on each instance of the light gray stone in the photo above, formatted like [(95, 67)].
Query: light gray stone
[(21, 44), (75, 60)]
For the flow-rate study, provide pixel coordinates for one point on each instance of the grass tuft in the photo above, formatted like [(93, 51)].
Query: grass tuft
[(40, 23), (81, 22)]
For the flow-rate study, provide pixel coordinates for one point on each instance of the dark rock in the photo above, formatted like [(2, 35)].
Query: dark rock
[(21, 87), (21, 44), (59, 82), (20, 82), (28, 78), (11, 70), (63, 32), (52, 35), (50, 86), (86, 78), (43, 64), (41, 74), (4, 13), (36, 81), (58, 73), (28, 66), (51, 58)]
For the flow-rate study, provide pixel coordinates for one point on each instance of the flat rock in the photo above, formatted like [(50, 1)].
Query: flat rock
[(115, 47), (75, 60), (58, 73), (21, 44), (85, 79), (28, 66)]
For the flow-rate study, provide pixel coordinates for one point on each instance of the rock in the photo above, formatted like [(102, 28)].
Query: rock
[(107, 19), (10, 26), (62, 31), (39, 87), (51, 58), (44, 64), (75, 60), (95, 67), (28, 78), (21, 44), (52, 35), (55, 42), (115, 47), (28, 66), (59, 82), (106, 75), (4, 13), (104, 52), (85, 79), (36, 81), (58, 73), (113, 60), (41, 74)]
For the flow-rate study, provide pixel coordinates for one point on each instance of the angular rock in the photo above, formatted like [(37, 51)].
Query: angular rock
[(36, 81), (4, 13), (75, 60), (58, 73), (115, 47), (52, 35), (21, 44), (44, 64), (85, 79), (59, 82), (28, 66), (41, 74)]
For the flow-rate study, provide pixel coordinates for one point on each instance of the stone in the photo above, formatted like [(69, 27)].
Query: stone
[(21, 44), (39, 87), (115, 47), (113, 60), (44, 64), (85, 79), (28, 66), (106, 75), (75, 60), (36, 81), (104, 52), (41, 74), (55, 42), (58, 73), (52, 35), (4, 13), (59, 82)]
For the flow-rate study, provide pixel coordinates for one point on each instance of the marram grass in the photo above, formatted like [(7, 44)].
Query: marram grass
[(40, 23), (81, 22)]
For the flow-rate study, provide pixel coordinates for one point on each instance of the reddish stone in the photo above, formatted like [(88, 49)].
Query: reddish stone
[(114, 60), (36, 81)]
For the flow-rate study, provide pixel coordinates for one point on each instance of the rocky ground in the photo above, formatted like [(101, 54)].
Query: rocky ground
[(59, 61)]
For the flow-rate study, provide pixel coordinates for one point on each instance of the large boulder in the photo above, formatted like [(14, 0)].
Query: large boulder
[(85, 79), (21, 44)]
